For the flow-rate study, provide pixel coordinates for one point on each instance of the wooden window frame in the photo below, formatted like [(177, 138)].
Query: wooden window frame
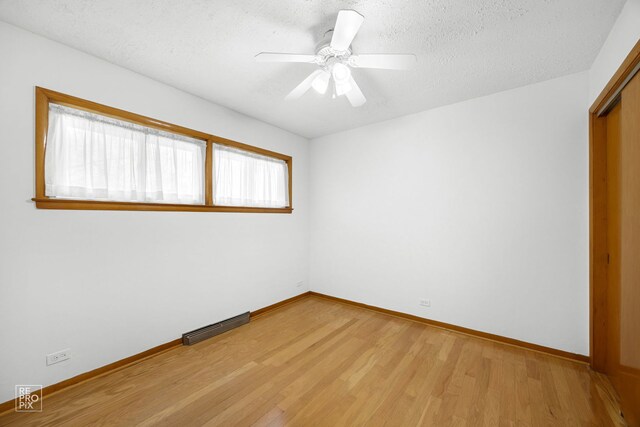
[(45, 96)]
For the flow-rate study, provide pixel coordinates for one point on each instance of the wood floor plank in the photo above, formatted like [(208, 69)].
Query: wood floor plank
[(322, 363)]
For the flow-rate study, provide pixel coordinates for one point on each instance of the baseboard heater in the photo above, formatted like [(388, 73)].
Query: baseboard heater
[(209, 331)]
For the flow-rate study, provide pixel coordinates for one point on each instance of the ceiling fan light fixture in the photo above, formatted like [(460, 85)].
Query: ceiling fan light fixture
[(321, 83), (342, 88), (341, 73)]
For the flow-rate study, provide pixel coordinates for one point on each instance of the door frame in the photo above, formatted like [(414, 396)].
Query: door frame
[(598, 251)]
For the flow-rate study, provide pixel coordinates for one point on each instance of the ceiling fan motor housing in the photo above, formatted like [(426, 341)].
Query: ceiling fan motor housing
[(325, 52)]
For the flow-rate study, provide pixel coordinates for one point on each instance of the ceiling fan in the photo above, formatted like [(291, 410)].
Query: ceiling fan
[(335, 60)]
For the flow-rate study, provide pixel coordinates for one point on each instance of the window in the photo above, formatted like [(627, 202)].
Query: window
[(90, 156), (94, 157), (243, 178)]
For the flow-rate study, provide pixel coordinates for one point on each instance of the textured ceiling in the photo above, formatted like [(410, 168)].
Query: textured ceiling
[(465, 48)]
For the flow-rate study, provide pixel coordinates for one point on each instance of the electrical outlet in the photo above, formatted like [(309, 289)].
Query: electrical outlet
[(58, 356), (425, 302), (299, 284)]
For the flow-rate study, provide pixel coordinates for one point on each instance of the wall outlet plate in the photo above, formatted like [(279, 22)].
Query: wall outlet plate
[(425, 302), (58, 356), (299, 284)]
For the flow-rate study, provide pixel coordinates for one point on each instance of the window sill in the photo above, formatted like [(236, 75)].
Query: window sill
[(47, 203)]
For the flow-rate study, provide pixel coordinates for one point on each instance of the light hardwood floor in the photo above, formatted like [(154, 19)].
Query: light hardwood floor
[(317, 362)]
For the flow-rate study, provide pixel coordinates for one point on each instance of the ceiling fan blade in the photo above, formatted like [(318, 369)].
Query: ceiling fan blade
[(347, 25), (284, 57), (383, 61), (355, 96), (303, 87)]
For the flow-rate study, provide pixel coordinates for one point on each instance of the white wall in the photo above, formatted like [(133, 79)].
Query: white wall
[(481, 206), (112, 284), (623, 36)]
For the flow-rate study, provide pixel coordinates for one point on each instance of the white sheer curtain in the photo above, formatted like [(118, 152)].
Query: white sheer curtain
[(243, 178), (89, 156)]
